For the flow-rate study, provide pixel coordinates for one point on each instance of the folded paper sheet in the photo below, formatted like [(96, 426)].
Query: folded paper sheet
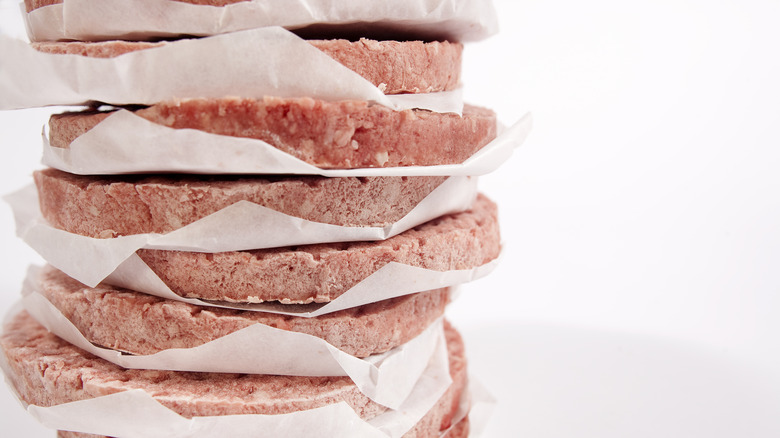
[(126, 143), (480, 407), (389, 281), (241, 226), (263, 62), (478, 403), (386, 378), (118, 414), (459, 20)]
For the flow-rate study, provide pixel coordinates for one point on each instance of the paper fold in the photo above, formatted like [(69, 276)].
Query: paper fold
[(126, 143), (390, 281), (262, 62), (480, 408), (91, 261), (459, 20), (118, 415), (386, 378), (241, 226)]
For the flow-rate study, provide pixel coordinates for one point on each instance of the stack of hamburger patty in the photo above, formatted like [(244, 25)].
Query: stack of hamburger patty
[(299, 295)]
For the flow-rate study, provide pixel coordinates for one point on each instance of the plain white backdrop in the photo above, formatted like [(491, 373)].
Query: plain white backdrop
[(639, 290)]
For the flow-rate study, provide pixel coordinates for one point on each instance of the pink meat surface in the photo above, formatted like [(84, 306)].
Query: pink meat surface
[(107, 207), (138, 323), (47, 371), (394, 66), (330, 135), (321, 273)]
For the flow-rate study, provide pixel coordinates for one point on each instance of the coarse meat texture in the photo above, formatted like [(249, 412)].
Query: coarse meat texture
[(396, 67), (330, 135), (110, 206), (142, 324), (321, 273), (47, 371)]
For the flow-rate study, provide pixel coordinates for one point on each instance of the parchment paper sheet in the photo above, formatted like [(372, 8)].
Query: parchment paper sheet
[(390, 281), (241, 226), (459, 20), (479, 408), (126, 143), (118, 415), (386, 378), (262, 62), (478, 403)]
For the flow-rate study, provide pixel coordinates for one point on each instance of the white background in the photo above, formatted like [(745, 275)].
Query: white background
[(639, 292)]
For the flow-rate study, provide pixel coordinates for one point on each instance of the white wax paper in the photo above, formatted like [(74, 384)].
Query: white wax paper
[(482, 405), (5, 367), (478, 404), (464, 20), (241, 226), (126, 143), (390, 281), (131, 414), (253, 64), (386, 378)]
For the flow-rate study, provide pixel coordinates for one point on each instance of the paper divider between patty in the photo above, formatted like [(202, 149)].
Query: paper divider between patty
[(241, 226), (460, 20), (386, 378), (126, 143)]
